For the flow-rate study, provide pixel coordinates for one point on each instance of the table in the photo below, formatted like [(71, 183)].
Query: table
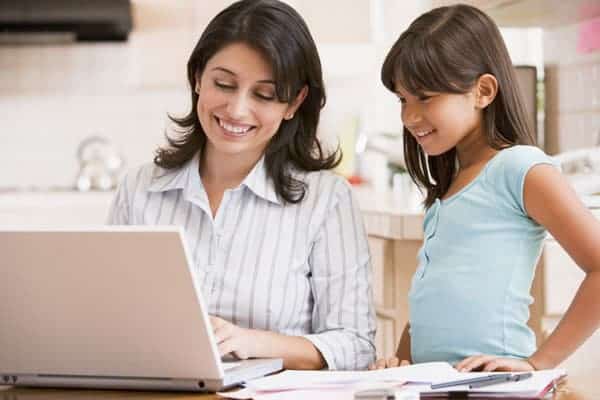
[(574, 388)]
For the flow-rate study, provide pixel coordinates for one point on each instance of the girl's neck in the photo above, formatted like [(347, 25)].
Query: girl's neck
[(474, 150), (225, 170)]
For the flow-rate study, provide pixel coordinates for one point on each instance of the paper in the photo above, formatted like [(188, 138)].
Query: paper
[(334, 385), (288, 380), (328, 394)]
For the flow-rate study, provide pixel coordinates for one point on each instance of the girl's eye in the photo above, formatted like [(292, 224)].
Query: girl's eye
[(424, 98), (266, 97)]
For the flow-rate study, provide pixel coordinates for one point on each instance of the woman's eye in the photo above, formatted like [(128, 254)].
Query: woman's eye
[(223, 85)]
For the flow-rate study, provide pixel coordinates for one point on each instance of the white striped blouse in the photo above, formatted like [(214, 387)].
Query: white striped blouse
[(298, 269)]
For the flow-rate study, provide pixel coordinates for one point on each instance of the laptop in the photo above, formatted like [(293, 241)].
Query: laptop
[(112, 307)]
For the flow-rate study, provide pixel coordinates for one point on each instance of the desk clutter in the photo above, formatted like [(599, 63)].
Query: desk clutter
[(413, 382)]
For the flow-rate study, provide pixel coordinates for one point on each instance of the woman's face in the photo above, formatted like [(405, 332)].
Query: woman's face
[(237, 102)]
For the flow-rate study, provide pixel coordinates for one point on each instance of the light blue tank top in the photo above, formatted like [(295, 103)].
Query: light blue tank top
[(471, 291)]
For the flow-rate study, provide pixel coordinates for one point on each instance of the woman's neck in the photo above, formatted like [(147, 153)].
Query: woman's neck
[(226, 170)]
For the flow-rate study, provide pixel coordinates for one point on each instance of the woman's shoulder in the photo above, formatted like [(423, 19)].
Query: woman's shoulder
[(143, 176), (325, 189), (326, 180)]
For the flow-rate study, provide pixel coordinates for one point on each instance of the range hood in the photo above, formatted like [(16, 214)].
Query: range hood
[(81, 20)]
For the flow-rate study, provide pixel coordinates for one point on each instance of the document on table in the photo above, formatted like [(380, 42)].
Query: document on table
[(414, 378), (417, 373)]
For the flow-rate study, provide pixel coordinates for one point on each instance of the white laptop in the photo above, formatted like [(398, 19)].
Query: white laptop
[(108, 307)]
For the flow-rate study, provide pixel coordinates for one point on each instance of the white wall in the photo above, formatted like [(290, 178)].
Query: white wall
[(54, 96)]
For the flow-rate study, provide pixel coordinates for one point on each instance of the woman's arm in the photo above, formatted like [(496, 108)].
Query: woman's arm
[(297, 352), (343, 320), (550, 200)]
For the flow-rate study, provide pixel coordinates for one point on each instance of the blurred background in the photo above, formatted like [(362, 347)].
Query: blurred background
[(110, 91)]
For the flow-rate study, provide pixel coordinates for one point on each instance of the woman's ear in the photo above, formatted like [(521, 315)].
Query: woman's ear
[(197, 78), (486, 90), (293, 107)]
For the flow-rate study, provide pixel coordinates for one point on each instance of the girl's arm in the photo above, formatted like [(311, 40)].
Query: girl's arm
[(550, 200)]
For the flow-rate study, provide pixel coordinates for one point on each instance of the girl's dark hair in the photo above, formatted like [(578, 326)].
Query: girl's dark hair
[(446, 50), (280, 34)]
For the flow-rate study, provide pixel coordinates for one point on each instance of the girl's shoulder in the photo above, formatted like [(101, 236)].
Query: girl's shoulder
[(515, 161), (506, 172)]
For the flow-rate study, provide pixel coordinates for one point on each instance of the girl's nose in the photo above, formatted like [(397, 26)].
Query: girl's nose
[(411, 116)]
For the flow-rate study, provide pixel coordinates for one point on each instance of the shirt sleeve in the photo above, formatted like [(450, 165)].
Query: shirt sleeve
[(118, 213), (343, 315), (514, 165)]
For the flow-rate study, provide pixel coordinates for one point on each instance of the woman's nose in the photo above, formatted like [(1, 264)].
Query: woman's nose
[(238, 106)]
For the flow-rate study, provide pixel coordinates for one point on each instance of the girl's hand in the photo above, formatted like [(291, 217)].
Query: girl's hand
[(232, 339), (389, 363), (493, 363)]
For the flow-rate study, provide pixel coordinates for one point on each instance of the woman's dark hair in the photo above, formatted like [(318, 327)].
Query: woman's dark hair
[(280, 34), (446, 50)]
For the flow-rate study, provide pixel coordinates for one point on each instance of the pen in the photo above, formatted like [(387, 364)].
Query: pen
[(469, 381), (499, 379)]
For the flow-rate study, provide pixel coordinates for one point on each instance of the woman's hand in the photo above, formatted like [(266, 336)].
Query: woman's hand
[(493, 363), (389, 363), (232, 339)]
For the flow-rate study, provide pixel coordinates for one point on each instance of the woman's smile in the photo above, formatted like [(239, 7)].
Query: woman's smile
[(236, 130)]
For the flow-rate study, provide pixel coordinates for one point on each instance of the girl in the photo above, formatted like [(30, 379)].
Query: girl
[(276, 237), (490, 197)]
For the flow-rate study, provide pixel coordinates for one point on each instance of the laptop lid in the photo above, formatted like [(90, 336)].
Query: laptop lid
[(103, 302)]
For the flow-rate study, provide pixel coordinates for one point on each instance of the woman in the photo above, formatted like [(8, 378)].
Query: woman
[(277, 238)]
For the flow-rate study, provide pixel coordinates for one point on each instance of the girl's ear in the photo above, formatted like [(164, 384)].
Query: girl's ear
[(293, 107), (486, 90)]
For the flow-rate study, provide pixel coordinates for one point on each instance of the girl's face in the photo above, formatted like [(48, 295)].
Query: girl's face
[(237, 102), (440, 121)]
